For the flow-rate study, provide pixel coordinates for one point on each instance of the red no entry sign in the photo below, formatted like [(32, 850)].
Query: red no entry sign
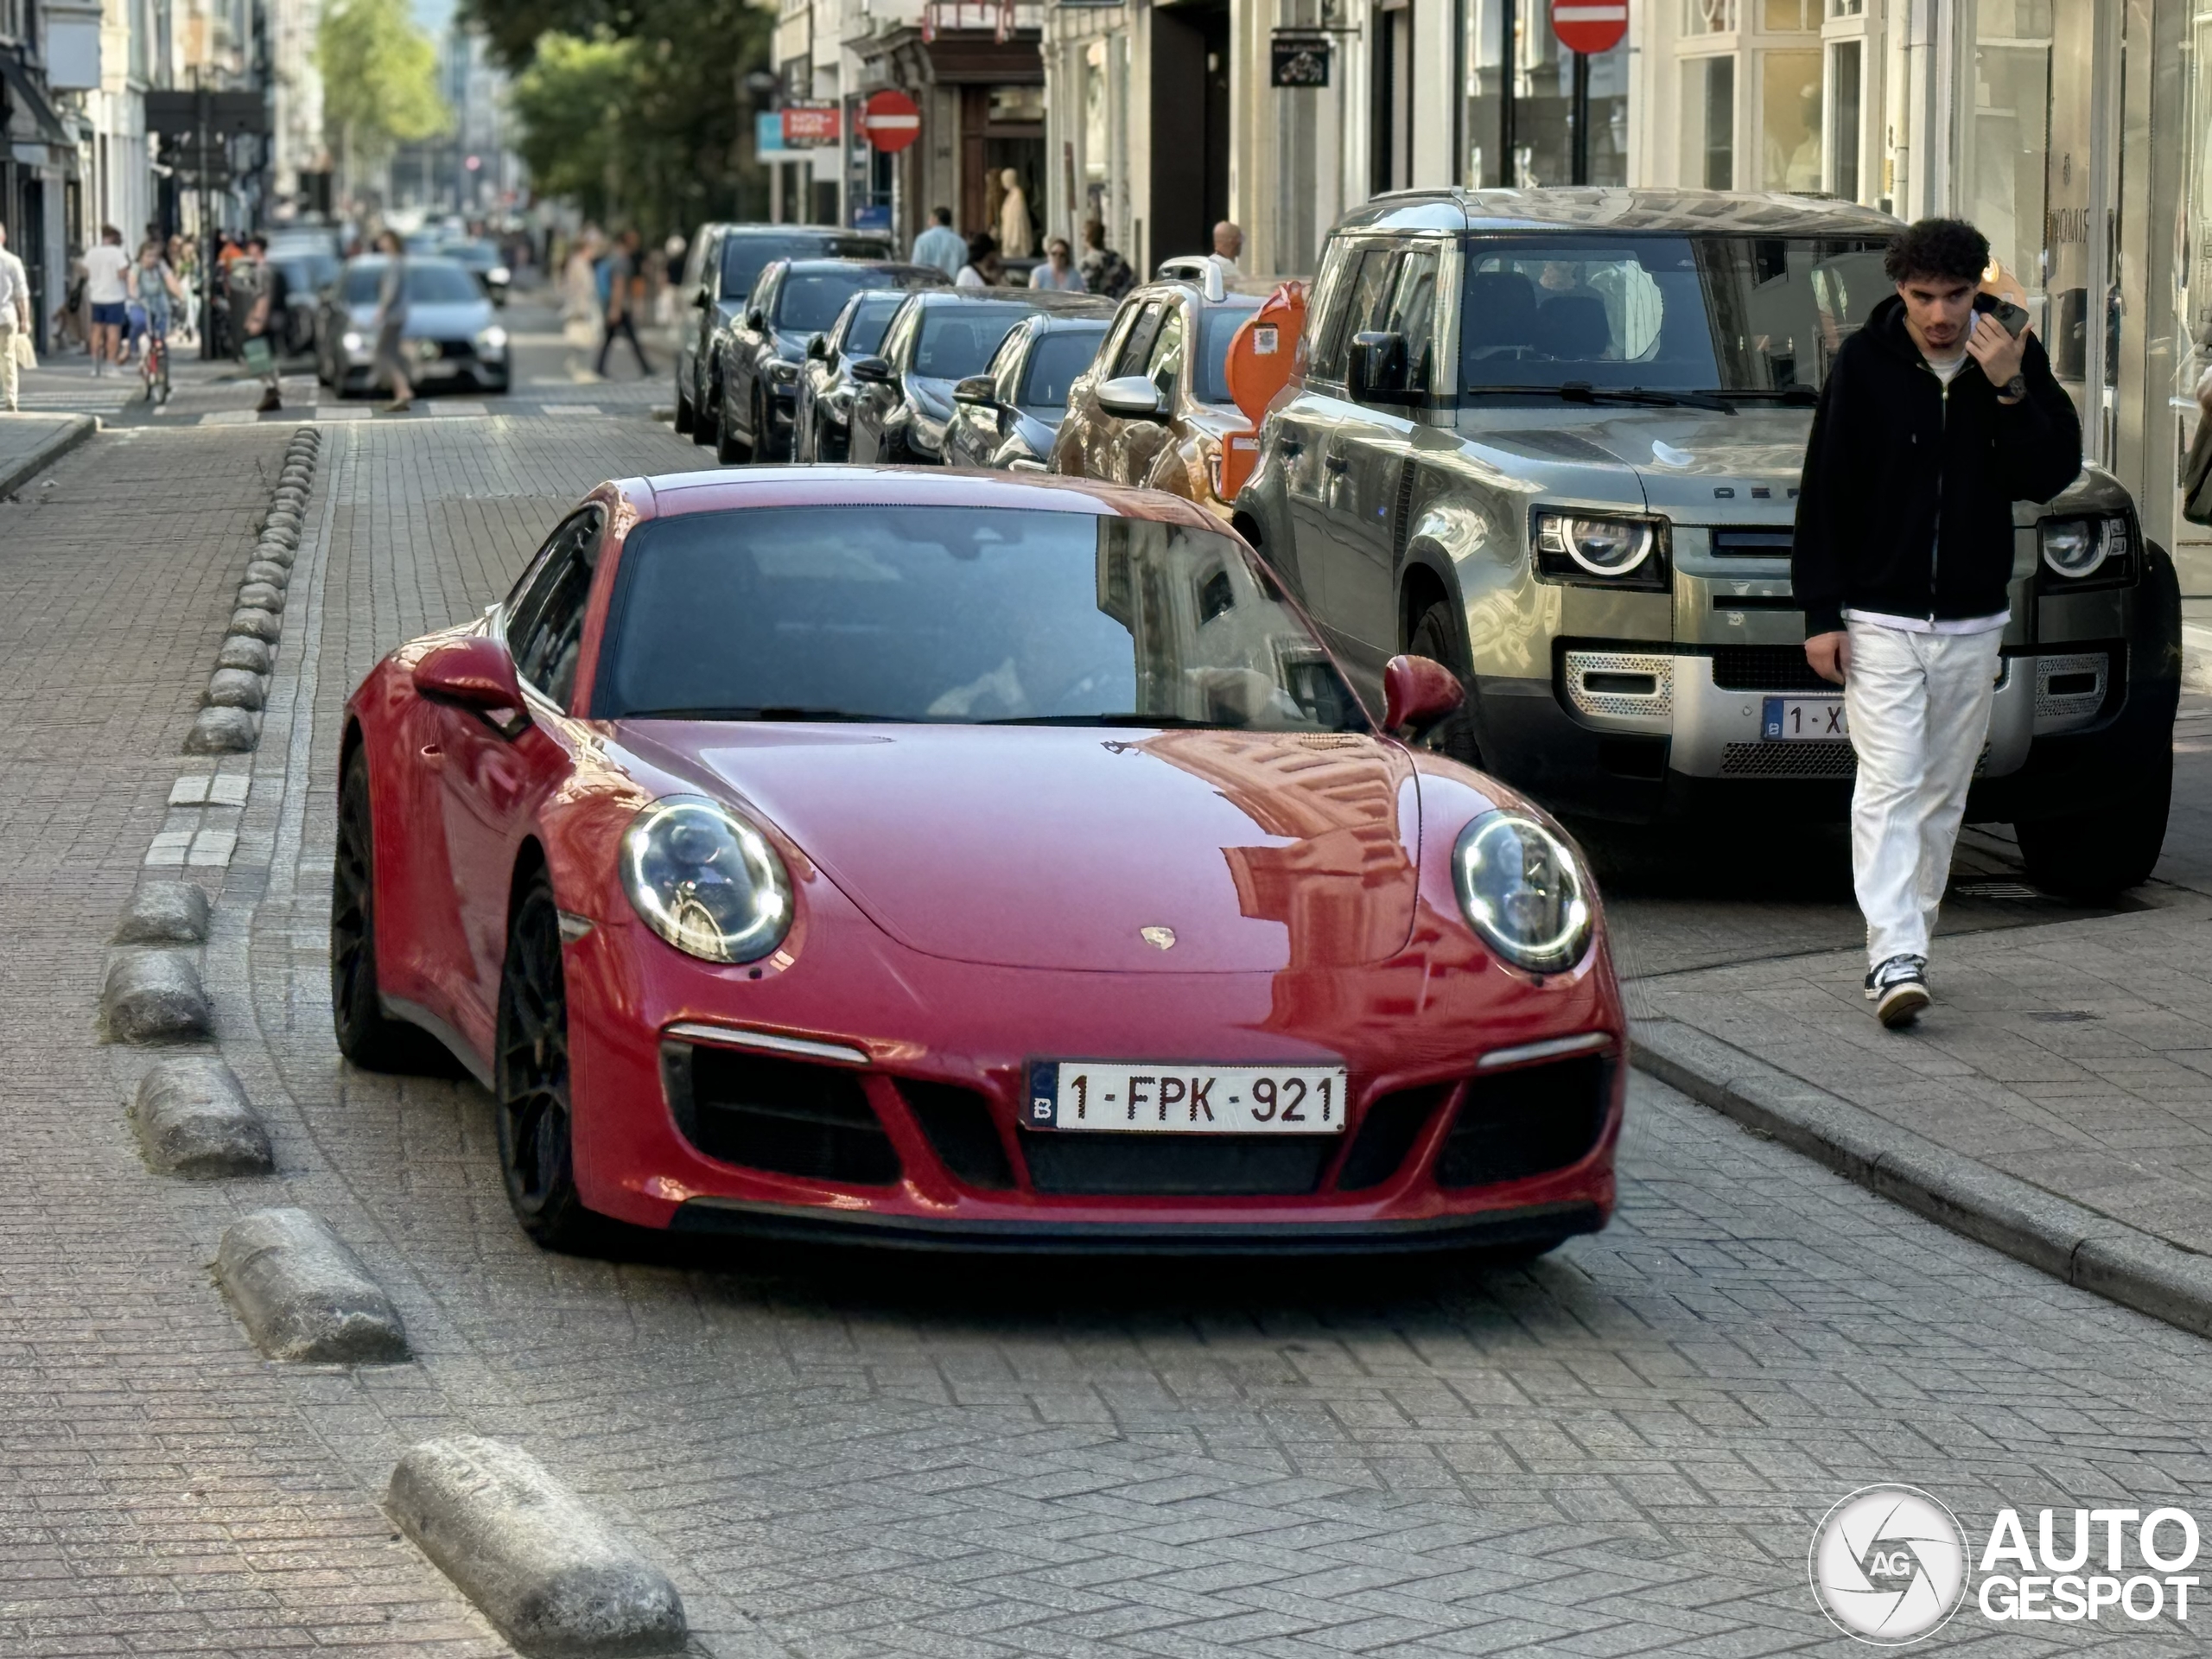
[(891, 119), (1589, 25)]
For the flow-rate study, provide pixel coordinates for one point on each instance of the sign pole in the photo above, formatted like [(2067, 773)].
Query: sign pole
[(1581, 117)]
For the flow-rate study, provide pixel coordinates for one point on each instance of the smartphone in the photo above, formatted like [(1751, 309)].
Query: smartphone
[(2013, 317)]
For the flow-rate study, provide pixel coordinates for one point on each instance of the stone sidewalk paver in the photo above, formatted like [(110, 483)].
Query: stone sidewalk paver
[(31, 442)]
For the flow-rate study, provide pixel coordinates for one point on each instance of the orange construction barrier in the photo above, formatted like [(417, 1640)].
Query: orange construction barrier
[(1263, 354)]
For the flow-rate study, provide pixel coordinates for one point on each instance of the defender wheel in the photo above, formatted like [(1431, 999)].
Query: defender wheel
[(365, 1036), (2096, 854), (1435, 637), (536, 1150)]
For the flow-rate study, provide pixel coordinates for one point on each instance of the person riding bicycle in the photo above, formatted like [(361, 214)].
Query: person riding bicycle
[(153, 288)]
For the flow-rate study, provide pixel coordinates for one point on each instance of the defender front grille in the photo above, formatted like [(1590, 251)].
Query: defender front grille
[(1765, 668), (1816, 760)]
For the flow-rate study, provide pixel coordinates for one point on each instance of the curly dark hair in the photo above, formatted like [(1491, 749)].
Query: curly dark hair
[(1937, 247)]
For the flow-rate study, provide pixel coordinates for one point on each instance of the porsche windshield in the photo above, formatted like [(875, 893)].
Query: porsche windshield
[(958, 615), (1740, 316)]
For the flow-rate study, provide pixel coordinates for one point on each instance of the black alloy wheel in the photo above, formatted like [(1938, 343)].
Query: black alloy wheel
[(366, 1035), (530, 1081), (729, 450), (2096, 854), (1434, 638)]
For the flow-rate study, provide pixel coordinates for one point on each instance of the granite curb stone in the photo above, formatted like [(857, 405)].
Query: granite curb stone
[(256, 624), (544, 1568), (236, 688), (154, 996), (70, 431), (303, 1294), (240, 651), (164, 912), (193, 1119), (268, 570), (261, 596), (2068, 1241), (222, 731)]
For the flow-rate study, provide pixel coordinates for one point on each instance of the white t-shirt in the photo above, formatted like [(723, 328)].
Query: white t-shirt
[(1947, 369), (103, 268)]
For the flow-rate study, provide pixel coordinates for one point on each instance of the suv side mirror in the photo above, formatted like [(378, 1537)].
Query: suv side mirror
[(817, 349), (978, 391), (756, 319), (1131, 397), (1378, 368), (474, 672), (873, 371), (699, 300), (1417, 692)]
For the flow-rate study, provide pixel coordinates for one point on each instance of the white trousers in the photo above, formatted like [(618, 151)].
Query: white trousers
[(8, 362), (1919, 712)]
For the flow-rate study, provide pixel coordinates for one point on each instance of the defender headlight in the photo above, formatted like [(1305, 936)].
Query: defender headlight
[(783, 373), (1523, 892), (1571, 545), (2075, 547), (491, 342), (706, 880)]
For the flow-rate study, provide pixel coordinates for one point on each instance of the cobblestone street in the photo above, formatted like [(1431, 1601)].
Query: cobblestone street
[(1620, 1449)]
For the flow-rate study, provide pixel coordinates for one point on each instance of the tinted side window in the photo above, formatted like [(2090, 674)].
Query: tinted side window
[(1165, 366), (1118, 335), (1367, 293), (1412, 316), (545, 630), (1136, 348)]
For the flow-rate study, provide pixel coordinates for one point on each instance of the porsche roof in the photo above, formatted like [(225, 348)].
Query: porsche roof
[(670, 493)]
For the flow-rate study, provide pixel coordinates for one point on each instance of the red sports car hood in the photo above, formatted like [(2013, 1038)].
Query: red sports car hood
[(1174, 852)]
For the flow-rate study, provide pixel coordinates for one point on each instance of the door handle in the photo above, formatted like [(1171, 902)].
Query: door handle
[(1336, 463)]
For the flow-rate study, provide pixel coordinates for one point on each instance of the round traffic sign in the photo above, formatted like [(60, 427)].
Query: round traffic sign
[(891, 119), (1589, 25)]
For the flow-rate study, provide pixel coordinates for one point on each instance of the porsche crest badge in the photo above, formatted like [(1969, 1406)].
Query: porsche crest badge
[(1160, 938)]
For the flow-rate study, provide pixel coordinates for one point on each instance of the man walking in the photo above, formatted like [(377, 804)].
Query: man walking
[(940, 244), (624, 286), (258, 305), (1934, 419), (14, 318), (105, 266)]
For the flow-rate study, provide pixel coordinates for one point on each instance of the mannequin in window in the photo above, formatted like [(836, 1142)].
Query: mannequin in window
[(1016, 239)]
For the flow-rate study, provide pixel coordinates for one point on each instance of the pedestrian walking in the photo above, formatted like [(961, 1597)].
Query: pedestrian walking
[(15, 321), (626, 286), (1228, 247), (940, 244), (257, 305), (105, 266), (1105, 271), (391, 322), (1057, 273), (1935, 417), (580, 304)]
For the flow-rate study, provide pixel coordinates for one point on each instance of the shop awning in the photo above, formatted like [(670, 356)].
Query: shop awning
[(26, 97)]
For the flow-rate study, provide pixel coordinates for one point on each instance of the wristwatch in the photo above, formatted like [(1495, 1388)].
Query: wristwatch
[(2015, 388)]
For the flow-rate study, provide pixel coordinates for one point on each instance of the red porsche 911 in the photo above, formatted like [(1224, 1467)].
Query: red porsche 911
[(964, 860)]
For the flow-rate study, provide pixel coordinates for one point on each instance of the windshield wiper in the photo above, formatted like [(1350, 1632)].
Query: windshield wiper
[(1164, 722), (772, 712), (1581, 391), (1807, 396)]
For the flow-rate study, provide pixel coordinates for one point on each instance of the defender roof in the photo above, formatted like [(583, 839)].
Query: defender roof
[(1600, 209)]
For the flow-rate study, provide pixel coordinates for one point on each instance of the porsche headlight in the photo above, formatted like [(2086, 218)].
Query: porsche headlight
[(1579, 548), (1523, 892), (706, 880)]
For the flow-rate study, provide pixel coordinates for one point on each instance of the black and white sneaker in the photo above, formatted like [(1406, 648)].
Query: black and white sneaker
[(1898, 990)]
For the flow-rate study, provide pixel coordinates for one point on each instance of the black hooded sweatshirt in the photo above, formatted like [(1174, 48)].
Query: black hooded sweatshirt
[(1906, 503)]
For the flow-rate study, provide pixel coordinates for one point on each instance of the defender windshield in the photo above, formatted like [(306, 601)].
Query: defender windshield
[(1741, 315)]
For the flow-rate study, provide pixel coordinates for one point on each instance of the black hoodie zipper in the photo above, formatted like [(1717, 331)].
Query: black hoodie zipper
[(1942, 448)]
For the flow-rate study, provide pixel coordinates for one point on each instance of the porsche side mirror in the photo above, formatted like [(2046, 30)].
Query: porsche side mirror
[(475, 673), (872, 371), (817, 349), (978, 391), (1417, 692), (1131, 397)]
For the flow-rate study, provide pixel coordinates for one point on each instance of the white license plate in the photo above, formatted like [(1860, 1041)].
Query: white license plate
[(1166, 1099), (1802, 719)]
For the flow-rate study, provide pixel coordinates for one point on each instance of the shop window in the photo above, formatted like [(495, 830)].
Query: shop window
[(2006, 163), (1790, 17), (1844, 58), (1709, 123), (1789, 120)]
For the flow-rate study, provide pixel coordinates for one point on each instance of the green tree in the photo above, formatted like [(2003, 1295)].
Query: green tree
[(635, 109), (380, 84)]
